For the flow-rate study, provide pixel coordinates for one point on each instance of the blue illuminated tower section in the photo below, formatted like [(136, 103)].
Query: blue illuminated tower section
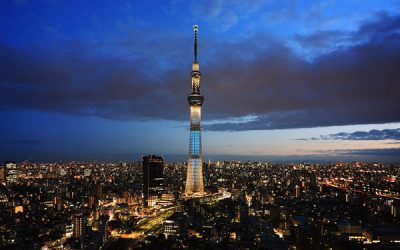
[(194, 177)]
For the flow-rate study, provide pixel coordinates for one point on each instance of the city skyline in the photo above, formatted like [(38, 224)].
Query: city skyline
[(284, 81)]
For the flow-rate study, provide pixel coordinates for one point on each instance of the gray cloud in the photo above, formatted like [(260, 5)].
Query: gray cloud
[(365, 152), (374, 134), (139, 77), (226, 13), (351, 85)]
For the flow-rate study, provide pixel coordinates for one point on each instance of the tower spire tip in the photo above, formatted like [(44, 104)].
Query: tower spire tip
[(195, 29)]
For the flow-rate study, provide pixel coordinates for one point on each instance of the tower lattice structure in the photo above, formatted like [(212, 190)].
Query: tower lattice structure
[(194, 176)]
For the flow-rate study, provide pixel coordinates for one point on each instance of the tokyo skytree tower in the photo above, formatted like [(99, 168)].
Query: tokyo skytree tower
[(194, 177)]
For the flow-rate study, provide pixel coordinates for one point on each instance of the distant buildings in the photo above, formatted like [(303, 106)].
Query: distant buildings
[(153, 167), (253, 205)]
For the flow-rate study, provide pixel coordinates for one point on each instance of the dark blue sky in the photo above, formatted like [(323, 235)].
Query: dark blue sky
[(108, 79)]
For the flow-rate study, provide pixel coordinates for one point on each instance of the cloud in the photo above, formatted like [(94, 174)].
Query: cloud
[(365, 152), (113, 88), (139, 77), (381, 25), (374, 134), (350, 85), (324, 41), (225, 14)]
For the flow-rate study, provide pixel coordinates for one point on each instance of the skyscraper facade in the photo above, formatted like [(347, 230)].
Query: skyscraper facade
[(11, 172), (194, 176), (2, 175), (153, 167), (78, 225)]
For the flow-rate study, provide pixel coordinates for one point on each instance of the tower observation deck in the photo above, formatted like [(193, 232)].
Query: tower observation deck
[(194, 176)]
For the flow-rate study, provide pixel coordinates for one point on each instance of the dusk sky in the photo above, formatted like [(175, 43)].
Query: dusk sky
[(282, 80)]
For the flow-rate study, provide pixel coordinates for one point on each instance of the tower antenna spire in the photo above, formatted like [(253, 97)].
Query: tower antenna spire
[(195, 29)]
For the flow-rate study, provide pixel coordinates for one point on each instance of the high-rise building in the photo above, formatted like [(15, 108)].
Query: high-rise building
[(103, 227), (176, 225), (2, 175), (11, 172), (99, 192), (57, 201), (394, 209), (297, 191), (348, 196), (78, 225), (194, 176), (87, 172), (153, 167), (91, 202), (313, 181)]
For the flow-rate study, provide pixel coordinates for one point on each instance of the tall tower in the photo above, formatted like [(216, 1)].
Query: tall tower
[(194, 177)]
